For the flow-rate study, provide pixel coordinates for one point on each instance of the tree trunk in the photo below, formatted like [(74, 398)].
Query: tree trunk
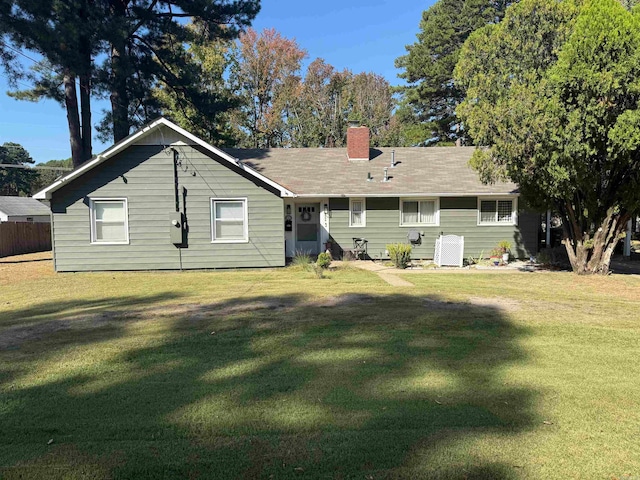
[(85, 109), (593, 255), (119, 74), (73, 118)]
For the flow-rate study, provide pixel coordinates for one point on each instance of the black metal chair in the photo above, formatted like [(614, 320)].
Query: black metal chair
[(359, 248)]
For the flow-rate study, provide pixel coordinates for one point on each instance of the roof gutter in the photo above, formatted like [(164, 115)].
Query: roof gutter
[(395, 195)]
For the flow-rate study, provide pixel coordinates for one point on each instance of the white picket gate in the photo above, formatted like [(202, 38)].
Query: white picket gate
[(449, 251)]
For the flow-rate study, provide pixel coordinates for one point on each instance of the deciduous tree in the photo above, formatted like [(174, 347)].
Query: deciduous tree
[(266, 72)]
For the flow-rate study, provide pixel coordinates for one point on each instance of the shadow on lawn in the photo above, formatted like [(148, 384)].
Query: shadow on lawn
[(353, 386)]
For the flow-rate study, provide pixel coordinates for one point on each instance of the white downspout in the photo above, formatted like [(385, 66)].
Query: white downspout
[(547, 240)]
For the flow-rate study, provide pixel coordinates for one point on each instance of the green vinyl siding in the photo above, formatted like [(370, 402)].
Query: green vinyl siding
[(144, 176), (458, 216)]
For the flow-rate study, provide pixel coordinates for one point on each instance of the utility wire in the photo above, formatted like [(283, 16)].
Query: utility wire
[(52, 71), (35, 167), (4, 44)]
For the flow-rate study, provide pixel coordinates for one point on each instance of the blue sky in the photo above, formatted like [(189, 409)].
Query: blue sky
[(362, 35)]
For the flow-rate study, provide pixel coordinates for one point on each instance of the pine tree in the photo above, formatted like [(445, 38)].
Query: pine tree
[(15, 181), (138, 43), (432, 96)]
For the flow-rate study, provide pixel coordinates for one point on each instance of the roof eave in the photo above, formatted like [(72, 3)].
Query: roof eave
[(46, 193)]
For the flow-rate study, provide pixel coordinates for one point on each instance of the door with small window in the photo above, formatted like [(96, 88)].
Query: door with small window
[(308, 228)]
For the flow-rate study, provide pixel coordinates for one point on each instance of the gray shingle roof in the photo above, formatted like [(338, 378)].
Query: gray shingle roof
[(22, 206), (327, 171)]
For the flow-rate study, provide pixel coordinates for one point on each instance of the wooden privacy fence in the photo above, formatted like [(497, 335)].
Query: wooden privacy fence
[(17, 238)]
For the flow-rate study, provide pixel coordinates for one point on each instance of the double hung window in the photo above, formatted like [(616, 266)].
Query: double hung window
[(229, 220), (109, 220)]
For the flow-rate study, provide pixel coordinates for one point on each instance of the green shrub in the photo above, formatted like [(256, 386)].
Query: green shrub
[(400, 254), (504, 245), (324, 260), (318, 270)]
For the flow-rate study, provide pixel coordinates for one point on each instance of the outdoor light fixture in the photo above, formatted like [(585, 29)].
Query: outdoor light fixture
[(288, 209)]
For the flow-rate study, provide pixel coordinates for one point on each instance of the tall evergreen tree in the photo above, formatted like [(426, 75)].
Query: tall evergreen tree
[(432, 96), (66, 35), (138, 42), (205, 110), (15, 181)]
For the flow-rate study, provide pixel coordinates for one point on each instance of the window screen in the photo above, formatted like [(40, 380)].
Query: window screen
[(496, 211)]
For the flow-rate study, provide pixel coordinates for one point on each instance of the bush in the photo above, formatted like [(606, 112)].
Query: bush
[(324, 260), (504, 245), (318, 270), (400, 254)]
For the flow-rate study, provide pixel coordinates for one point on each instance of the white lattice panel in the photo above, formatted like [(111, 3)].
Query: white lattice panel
[(449, 251)]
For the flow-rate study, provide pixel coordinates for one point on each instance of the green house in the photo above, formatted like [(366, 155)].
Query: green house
[(164, 199)]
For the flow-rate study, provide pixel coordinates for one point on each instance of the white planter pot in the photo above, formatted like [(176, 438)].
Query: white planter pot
[(505, 257)]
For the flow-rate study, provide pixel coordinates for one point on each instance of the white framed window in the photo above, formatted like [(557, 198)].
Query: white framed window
[(497, 211), (357, 212), (109, 220), (229, 220), (419, 211)]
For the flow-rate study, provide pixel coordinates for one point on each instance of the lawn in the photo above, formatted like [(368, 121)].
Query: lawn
[(279, 374)]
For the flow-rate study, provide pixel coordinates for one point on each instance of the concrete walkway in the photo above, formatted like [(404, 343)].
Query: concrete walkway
[(385, 273)]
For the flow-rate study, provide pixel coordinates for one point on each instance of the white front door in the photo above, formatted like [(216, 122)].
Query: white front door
[(307, 223)]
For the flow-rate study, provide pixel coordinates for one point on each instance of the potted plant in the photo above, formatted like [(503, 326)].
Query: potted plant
[(504, 246), (495, 256)]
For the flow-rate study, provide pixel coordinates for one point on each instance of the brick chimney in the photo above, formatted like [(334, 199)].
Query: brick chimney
[(358, 143)]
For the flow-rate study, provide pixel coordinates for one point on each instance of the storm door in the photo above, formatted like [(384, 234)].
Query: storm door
[(308, 228)]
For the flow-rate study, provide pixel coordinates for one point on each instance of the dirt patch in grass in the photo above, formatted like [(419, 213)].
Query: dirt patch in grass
[(498, 303), (13, 337), (342, 300)]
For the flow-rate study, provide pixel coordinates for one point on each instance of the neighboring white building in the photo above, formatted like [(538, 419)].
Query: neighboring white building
[(23, 209)]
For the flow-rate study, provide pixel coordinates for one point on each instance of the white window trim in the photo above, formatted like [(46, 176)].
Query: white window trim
[(364, 211), (245, 202), (421, 199), (92, 219), (514, 211)]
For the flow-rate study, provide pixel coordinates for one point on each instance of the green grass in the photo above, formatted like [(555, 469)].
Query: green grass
[(277, 374)]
